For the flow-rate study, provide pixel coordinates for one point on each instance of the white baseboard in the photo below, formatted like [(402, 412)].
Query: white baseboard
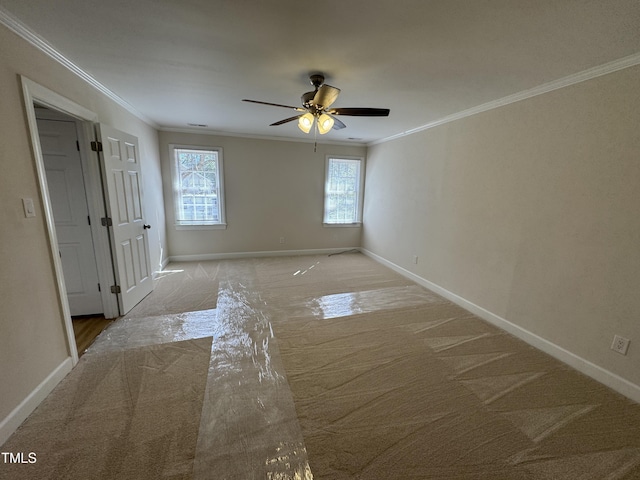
[(610, 379), (19, 414), (274, 253), (163, 265)]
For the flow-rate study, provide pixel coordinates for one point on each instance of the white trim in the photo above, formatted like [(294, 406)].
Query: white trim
[(11, 422), (610, 67), (32, 92), (275, 253), (20, 29), (49, 98), (212, 226), (610, 379), (339, 225)]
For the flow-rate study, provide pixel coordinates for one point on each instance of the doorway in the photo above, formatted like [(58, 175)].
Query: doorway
[(111, 173), (65, 181), (37, 96), (60, 146)]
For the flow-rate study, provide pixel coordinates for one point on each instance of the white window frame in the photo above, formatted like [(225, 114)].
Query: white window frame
[(197, 224), (359, 195)]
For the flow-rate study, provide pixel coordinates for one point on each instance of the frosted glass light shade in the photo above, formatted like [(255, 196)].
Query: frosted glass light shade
[(325, 123), (305, 122)]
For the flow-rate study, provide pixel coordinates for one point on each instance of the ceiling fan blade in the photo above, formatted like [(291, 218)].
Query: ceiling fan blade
[(361, 112), (337, 124), (325, 96), (274, 104), (286, 120)]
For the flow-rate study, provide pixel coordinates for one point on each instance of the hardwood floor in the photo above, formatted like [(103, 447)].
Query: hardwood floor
[(86, 329)]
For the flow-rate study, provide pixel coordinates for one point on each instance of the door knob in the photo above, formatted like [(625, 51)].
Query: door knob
[(146, 227)]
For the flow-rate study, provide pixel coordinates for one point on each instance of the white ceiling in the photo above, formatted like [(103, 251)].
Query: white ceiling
[(193, 61)]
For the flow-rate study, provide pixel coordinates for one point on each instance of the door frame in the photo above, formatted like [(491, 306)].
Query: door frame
[(85, 121)]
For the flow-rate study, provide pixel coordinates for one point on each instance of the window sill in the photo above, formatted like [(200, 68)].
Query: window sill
[(216, 226), (343, 225)]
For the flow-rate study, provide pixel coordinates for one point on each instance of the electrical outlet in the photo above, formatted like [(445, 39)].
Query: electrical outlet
[(415, 259), (620, 344), (281, 239)]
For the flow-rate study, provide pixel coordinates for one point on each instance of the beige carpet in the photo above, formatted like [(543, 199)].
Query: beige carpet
[(393, 382), (181, 287), (132, 414), (387, 381)]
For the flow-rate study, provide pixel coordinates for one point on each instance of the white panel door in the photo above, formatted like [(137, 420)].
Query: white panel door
[(124, 202), (65, 183)]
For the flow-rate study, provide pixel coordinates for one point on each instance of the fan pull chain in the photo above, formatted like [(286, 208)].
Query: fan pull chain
[(315, 137)]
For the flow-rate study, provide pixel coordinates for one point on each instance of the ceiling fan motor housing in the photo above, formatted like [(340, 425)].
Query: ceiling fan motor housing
[(317, 79)]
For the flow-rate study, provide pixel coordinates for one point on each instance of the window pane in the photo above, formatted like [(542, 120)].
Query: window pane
[(342, 191), (197, 186)]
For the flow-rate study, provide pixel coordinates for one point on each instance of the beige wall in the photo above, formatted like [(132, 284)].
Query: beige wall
[(273, 189), (530, 211), (31, 325)]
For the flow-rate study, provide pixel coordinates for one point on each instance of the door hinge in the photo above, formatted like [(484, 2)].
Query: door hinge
[(96, 146), (89, 219), (99, 289), (106, 222), (116, 289), (78, 145)]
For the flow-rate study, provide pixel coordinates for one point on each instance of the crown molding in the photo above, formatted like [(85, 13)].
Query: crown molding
[(610, 67), (24, 32)]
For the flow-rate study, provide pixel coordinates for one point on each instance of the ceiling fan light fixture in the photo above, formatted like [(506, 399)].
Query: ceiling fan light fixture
[(305, 122), (325, 123), (315, 109)]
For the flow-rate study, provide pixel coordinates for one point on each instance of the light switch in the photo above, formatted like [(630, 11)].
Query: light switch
[(29, 209)]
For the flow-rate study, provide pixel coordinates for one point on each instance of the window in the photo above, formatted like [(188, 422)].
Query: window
[(198, 186), (343, 191)]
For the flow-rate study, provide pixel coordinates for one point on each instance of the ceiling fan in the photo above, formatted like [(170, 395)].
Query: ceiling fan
[(316, 108)]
